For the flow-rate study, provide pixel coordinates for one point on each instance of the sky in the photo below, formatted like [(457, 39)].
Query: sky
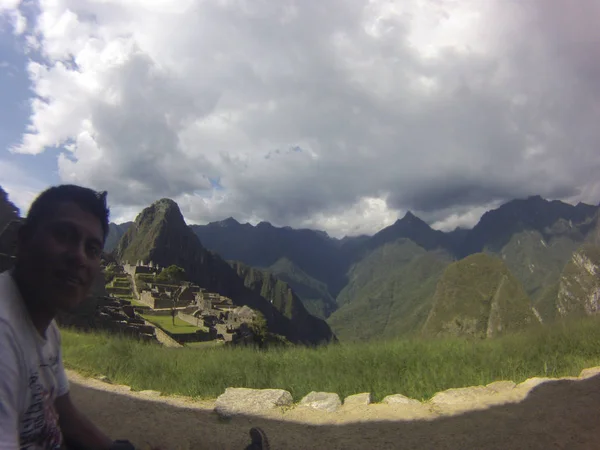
[(339, 115)]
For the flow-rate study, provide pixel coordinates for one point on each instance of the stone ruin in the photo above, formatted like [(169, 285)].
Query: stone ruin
[(231, 324)]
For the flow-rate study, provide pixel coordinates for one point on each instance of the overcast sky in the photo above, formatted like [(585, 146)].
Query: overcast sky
[(332, 114)]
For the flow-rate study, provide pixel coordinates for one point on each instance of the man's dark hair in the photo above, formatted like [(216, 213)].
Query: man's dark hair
[(87, 199)]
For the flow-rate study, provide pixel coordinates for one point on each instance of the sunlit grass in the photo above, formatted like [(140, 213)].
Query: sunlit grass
[(166, 323), (416, 368)]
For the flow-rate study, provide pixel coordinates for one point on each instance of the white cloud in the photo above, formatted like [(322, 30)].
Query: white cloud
[(307, 118), (10, 9), (21, 188)]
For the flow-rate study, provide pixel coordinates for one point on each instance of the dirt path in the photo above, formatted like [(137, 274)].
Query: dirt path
[(561, 414)]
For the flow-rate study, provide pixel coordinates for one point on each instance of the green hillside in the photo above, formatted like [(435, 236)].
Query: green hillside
[(115, 233), (389, 293), (579, 288), (314, 293), (478, 297), (537, 263)]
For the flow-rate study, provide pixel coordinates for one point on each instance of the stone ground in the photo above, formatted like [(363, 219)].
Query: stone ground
[(557, 414)]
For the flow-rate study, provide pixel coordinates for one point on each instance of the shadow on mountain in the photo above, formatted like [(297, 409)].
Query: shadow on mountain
[(561, 414)]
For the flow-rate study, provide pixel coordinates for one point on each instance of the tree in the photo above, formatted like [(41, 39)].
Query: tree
[(172, 275), (173, 313)]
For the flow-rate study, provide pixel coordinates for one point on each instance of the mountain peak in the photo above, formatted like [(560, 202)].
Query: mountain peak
[(410, 227), (165, 203), (264, 224), (409, 218), (229, 222)]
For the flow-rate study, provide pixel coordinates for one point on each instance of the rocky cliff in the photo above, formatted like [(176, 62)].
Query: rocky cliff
[(579, 286)]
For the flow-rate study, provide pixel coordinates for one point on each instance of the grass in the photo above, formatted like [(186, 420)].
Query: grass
[(134, 302), (416, 368), (166, 323), (204, 345)]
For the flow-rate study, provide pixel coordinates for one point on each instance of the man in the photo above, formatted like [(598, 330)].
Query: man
[(58, 256)]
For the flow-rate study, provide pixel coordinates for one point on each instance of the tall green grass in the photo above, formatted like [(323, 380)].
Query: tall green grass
[(416, 368)]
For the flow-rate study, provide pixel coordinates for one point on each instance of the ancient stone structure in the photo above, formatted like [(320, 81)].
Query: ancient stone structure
[(141, 268), (210, 300)]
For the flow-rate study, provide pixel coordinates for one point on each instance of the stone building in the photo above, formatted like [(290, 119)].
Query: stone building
[(210, 300)]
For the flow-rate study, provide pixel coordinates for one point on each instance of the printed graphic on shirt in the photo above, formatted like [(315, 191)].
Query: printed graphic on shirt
[(39, 426)]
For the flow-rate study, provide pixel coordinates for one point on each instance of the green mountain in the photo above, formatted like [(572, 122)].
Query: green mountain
[(496, 227), (413, 228), (478, 297), (115, 233), (384, 285), (579, 286), (538, 256), (281, 296), (389, 292), (537, 262), (314, 293), (316, 263), (161, 235)]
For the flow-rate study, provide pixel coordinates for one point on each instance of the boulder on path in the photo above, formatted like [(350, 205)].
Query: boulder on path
[(324, 401), (457, 396), (399, 399), (588, 373), (358, 399), (246, 401)]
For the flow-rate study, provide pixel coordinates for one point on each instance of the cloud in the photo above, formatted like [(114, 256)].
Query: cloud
[(21, 188), (311, 118), (10, 9)]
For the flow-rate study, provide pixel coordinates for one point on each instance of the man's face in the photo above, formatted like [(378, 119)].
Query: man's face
[(61, 256)]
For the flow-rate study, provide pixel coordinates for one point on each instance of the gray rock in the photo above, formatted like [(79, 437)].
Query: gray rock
[(399, 399), (358, 399), (501, 386), (460, 395), (588, 373), (324, 401), (246, 401)]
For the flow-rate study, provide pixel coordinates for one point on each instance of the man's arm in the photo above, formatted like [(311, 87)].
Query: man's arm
[(78, 429)]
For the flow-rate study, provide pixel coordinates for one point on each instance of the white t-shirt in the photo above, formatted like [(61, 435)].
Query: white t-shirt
[(31, 376)]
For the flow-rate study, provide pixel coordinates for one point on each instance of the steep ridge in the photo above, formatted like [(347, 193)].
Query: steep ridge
[(314, 293), (161, 235), (311, 253), (115, 233), (478, 297), (496, 227), (579, 286), (389, 293), (281, 296), (413, 228)]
